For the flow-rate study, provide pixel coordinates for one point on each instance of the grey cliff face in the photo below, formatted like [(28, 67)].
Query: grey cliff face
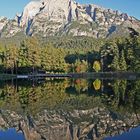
[(3, 22), (96, 123), (66, 17)]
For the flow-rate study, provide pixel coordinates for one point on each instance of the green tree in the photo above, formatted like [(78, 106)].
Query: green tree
[(1, 58), (22, 55), (33, 53), (11, 57), (122, 62), (115, 63)]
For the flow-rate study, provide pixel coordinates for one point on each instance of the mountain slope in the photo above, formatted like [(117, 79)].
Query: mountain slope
[(66, 17)]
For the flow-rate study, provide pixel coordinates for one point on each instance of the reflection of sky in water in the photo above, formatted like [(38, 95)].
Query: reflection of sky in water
[(132, 135), (11, 134)]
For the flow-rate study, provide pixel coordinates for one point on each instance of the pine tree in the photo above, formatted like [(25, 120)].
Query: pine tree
[(115, 63), (22, 55), (33, 53), (11, 57), (122, 62)]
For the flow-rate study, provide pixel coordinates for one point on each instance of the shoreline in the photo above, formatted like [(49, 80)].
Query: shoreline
[(88, 75)]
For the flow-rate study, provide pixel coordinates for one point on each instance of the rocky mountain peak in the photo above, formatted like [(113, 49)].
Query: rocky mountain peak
[(52, 9), (66, 17)]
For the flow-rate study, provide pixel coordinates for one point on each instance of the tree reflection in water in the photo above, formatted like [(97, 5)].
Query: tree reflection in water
[(120, 97), (52, 93)]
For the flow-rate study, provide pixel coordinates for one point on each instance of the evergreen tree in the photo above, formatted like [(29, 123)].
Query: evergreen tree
[(115, 63), (33, 53), (122, 62), (11, 57), (22, 55)]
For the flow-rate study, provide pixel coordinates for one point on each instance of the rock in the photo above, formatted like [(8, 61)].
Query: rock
[(30, 11), (59, 17), (3, 22), (67, 125)]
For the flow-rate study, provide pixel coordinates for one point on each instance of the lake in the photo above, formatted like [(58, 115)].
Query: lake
[(70, 109)]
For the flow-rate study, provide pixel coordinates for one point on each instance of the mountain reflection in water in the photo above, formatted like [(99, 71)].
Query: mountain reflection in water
[(65, 109)]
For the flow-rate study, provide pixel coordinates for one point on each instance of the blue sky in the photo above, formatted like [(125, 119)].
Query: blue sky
[(9, 8)]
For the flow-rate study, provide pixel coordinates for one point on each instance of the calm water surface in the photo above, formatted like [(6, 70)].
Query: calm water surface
[(76, 108)]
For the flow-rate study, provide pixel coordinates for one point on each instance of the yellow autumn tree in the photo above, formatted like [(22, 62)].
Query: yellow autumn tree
[(97, 66), (97, 84)]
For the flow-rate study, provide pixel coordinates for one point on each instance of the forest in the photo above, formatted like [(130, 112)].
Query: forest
[(70, 54)]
